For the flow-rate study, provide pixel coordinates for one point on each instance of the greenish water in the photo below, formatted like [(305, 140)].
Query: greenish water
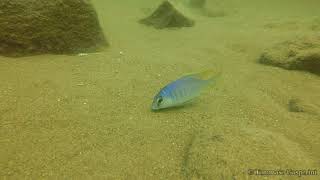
[(88, 117)]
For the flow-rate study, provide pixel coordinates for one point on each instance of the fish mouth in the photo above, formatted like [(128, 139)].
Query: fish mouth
[(154, 108)]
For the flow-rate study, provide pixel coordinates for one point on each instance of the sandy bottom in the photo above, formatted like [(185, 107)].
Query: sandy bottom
[(75, 117)]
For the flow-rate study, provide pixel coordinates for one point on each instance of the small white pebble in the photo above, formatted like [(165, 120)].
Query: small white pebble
[(83, 54), (121, 53), (58, 99), (84, 103)]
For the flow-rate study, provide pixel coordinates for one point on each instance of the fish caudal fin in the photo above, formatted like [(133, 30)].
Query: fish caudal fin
[(209, 76)]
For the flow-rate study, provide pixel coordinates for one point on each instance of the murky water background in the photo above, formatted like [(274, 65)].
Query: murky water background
[(82, 117)]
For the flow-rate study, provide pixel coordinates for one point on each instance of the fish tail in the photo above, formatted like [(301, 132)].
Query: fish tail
[(210, 78), (214, 77)]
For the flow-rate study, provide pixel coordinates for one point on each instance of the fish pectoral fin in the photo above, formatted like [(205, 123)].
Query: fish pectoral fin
[(189, 101)]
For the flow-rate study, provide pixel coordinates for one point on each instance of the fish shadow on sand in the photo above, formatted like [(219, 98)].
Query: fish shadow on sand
[(176, 108)]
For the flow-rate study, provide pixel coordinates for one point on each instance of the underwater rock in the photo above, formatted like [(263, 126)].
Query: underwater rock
[(55, 26), (294, 105), (166, 16), (230, 155), (301, 54), (299, 105), (207, 8)]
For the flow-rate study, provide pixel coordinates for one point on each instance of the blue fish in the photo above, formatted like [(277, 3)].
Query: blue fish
[(183, 90)]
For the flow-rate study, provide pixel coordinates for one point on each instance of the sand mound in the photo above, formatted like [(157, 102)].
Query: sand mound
[(301, 54), (230, 156), (55, 26), (166, 16)]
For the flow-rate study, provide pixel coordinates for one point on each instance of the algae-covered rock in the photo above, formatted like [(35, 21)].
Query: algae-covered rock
[(301, 54), (238, 154), (166, 16), (55, 26)]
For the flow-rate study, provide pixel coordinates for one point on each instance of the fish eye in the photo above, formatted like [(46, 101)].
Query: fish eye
[(159, 100)]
